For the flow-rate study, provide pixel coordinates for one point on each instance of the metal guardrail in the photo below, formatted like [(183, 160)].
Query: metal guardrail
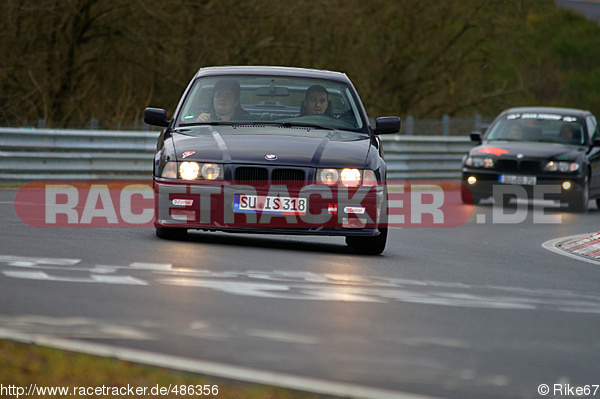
[(53, 154)]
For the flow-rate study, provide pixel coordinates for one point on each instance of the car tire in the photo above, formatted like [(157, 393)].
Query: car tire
[(368, 245), (467, 197), (371, 245), (598, 203), (171, 233), (581, 203)]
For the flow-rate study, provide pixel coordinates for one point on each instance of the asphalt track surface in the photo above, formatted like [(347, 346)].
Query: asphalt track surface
[(483, 310)]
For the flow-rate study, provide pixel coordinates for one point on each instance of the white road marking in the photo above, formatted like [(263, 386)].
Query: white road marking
[(73, 327), (39, 275), (297, 285)]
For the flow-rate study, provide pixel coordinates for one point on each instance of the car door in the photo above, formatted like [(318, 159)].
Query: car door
[(594, 156)]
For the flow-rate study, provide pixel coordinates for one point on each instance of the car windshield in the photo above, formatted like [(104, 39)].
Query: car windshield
[(287, 101), (538, 127)]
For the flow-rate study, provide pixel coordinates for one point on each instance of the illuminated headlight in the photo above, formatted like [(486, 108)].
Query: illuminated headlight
[(477, 162), (348, 177), (561, 166), (189, 170)]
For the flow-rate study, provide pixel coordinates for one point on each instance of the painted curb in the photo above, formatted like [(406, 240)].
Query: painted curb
[(584, 247)]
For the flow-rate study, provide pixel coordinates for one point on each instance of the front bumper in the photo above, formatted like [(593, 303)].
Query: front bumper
[(210, 206), (547, 186)]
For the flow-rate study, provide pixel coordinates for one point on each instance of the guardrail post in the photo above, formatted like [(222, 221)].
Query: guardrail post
[(41, 123), (409, 125), (478, 122), (445, 125), (94, 124)]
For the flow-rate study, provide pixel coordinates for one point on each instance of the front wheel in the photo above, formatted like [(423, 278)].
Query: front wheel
[(368, 245), (171, 233), (467, 197), (581, 203)]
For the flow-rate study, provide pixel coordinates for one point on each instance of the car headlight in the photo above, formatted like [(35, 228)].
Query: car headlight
[(212, 171), (478, 162), (561, 166), (329, 177), (189, 170), (349, 177), (192, 171)]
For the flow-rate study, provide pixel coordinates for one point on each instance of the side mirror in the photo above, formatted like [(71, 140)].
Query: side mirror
[(596, 142), (476, 136), (387, 125), (156, 117)]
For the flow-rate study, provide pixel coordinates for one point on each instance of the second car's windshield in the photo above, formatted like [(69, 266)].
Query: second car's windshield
[(538, 127), (287, 101)]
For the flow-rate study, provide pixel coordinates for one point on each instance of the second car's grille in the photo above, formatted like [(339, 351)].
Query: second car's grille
[(507, 165), (510, 165), (530, 166)]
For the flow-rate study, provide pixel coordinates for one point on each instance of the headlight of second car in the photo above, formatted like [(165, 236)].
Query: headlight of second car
[(561, 166), (479, 162)]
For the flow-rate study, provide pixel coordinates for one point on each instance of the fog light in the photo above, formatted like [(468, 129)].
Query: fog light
[(566, 185), (472, 180)]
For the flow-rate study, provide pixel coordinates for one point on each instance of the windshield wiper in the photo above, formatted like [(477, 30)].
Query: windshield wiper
[(213, 123), (294, 124)]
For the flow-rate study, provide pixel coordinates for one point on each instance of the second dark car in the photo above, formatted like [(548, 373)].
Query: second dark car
[(538, 153)]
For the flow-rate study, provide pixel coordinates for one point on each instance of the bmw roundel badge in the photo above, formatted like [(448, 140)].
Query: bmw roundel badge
[(270, 157)]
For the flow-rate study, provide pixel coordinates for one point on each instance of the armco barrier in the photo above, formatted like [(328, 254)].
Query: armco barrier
[(53, 154)]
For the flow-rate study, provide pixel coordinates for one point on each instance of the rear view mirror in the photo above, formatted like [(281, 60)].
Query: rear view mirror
[(476, 136), (272, 91), (156, 117), (387, 125)]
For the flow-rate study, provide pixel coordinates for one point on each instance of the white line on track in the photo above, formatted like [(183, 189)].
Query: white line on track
[(211, 368)]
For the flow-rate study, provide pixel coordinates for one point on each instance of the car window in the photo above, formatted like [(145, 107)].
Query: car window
[(272, 100), (539, 127), (592, 126)]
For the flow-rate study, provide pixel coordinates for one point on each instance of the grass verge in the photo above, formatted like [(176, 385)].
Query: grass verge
[(23, 365)]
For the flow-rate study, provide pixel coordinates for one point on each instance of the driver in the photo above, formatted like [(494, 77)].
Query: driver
[(225, 104), (316, 102)]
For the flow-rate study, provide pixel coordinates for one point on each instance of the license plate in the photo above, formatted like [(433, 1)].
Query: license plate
[(518, 179), (269, 204)]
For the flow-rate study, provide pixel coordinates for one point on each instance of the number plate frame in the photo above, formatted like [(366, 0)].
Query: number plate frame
[(518, 179), (275, 205)]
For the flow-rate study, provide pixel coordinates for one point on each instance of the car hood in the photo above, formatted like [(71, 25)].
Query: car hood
[(535, 150), (297, 146)]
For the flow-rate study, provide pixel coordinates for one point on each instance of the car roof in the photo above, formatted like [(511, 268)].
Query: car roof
[(273, 70), (554, 110)]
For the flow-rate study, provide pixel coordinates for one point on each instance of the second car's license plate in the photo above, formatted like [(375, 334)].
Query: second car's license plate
[(270, 204), (518, 179)]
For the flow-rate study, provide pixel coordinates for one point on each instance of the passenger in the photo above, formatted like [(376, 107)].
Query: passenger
[(225, 105), (569, 133), (515, 132), (316, 102)]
